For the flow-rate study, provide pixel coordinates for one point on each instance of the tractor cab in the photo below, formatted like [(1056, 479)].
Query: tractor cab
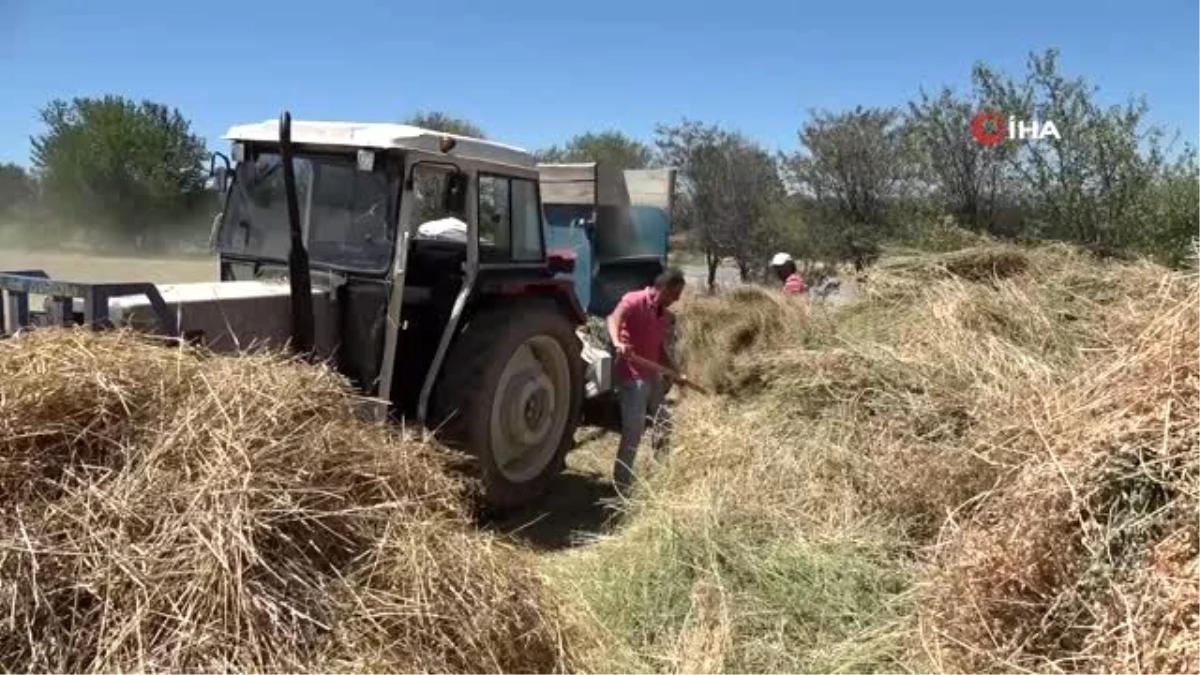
[(425, 257)]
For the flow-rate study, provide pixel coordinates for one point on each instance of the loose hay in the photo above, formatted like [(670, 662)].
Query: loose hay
[(164, 510), (1087, 560), (715, 330), (1008, 435), (1065, 504)]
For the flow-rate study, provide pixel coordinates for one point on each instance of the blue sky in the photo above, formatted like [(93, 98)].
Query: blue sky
[(533, 73)]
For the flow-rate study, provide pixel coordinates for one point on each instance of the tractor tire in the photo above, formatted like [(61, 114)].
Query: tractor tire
[(510, 394)]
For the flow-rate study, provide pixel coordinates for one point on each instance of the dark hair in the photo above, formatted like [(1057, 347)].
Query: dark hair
[(671, 277)]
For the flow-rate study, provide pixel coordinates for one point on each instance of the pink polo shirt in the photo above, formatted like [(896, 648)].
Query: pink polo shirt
[(794, 284), (644, 329)]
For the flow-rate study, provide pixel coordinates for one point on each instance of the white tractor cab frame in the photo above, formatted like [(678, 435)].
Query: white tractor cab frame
[(417, 264)]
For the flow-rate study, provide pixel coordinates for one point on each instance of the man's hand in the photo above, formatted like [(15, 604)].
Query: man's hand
[(621, 348)]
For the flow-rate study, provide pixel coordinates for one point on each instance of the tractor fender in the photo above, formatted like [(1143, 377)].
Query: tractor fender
[(561, 290)]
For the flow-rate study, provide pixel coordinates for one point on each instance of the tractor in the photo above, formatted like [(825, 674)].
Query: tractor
[(413, 261)]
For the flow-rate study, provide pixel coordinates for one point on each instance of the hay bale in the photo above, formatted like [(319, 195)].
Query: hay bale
[(166, 510)]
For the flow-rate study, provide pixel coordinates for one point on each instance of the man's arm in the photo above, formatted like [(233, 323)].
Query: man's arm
[(665, 359), (614, 327), (665, 356)]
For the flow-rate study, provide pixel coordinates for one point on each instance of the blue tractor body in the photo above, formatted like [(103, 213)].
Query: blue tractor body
[(616, 224)]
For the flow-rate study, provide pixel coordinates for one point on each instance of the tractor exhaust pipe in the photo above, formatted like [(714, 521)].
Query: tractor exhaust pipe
[(298, 274)]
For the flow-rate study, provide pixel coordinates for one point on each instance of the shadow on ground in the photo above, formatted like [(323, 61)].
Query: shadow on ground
[(577, 507)]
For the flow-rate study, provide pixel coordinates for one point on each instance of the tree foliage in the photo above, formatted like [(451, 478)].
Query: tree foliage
[(1085, 186), (439, 121), (854, 168), (609, 147), (130, 170), (17, 189), (964, 177), (856, 161), (728, 187)]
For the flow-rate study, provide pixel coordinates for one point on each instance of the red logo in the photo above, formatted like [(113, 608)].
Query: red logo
[(989, 128)]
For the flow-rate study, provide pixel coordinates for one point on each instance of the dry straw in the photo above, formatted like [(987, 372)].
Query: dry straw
[(989, 463), (166, 510), (1086, 558)]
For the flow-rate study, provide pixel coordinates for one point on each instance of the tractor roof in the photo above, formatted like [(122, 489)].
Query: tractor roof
[(382, 136)]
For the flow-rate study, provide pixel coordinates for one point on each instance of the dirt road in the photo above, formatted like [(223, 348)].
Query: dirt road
[(697, 276)]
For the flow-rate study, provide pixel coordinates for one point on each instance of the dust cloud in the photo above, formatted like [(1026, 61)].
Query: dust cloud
[(24, 248)]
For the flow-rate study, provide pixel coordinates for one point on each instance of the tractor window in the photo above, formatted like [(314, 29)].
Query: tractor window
[(343, 212), (527, 222), (429, 191), (510, 220), (495, 218)]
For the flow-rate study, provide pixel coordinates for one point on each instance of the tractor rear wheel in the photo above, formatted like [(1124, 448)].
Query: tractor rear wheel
[(510, 393)]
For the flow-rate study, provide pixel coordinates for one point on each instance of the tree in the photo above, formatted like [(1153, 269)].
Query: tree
[(966, 177), (727, 189), (855, 166), (1087, 185), (17, 189), (440, 121), (1170, 209), (609, 147), (133, 170)]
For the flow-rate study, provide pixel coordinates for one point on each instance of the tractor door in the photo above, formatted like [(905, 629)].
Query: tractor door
[(348, 204), (430, 272)]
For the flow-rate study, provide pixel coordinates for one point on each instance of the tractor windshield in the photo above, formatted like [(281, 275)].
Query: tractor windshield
[(343, 212)]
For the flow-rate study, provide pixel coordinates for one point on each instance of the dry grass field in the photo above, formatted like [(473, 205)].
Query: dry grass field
[(987, 461)]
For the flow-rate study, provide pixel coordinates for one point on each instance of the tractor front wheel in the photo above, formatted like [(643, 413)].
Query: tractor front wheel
[(510, 394)]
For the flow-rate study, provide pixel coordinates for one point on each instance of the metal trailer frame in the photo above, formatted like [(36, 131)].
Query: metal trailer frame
[(16, 287)]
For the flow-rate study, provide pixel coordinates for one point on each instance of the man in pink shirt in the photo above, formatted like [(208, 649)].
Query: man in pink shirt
[(639, 326)]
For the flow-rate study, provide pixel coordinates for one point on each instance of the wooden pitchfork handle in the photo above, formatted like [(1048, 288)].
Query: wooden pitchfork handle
[(647, 363)]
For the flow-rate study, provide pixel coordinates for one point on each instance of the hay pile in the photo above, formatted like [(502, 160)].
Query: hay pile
[(1034, 432), (715, 330), (989, 462), (742, 552), (978, 263), (1085, 559), (161, 510)]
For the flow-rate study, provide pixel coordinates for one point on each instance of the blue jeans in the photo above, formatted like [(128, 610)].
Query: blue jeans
[(641, 402)]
